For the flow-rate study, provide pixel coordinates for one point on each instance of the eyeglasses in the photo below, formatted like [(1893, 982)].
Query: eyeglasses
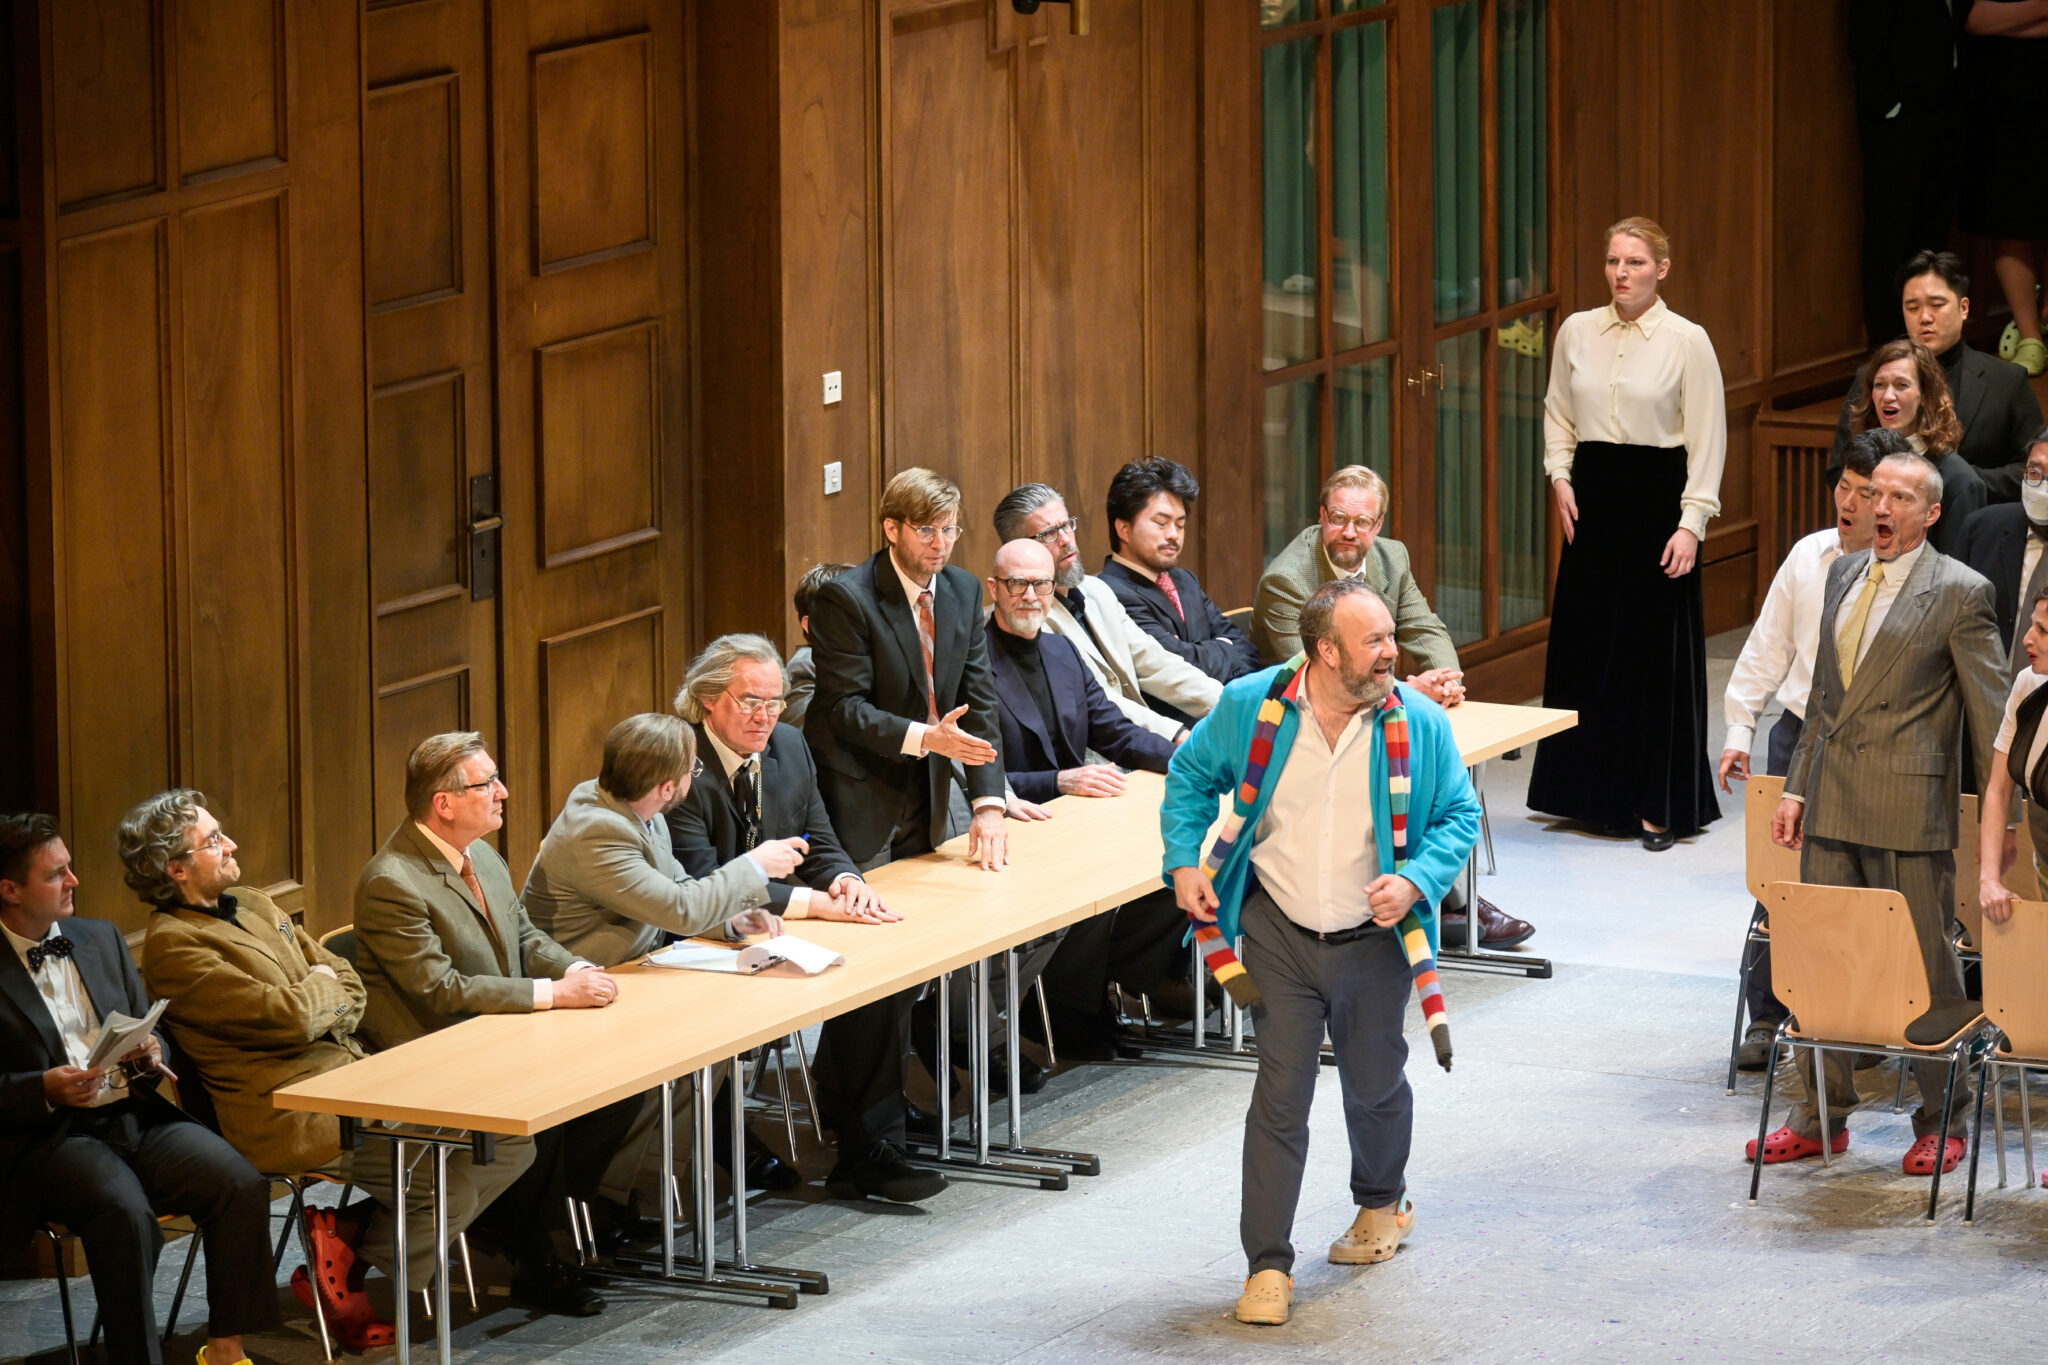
[(485, 785), (696, 767), (928, 534), (1362, 525), (1026, 587), (754, 706), (1053, 533), (210, 844), (2034, 478)]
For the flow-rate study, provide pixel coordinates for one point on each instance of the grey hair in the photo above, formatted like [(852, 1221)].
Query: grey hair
[(710, 673), (1019, 503), (1930, 475), (153, 834), (1318, 624)]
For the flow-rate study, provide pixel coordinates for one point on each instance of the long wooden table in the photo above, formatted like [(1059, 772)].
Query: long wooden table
[(520, 1074)]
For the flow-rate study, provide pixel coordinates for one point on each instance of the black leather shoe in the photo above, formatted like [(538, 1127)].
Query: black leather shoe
[(767, 1171), (557, 1288), (883, 1172), (1657, 840), (1031, 1077), (620, 1226)]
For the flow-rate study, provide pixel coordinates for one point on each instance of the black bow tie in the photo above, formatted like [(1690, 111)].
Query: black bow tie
[(59, 946)]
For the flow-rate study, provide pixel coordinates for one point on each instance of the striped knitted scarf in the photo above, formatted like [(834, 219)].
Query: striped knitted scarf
[(1222, 962)]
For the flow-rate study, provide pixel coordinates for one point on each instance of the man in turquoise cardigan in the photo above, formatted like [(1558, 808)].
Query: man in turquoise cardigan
[(1351, 812)]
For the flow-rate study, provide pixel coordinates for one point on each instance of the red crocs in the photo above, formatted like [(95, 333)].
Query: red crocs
[(1786, 1145), (1920, 1159), (339, 1282)]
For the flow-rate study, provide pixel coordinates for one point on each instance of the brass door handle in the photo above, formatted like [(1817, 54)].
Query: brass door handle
[(1426, 378)]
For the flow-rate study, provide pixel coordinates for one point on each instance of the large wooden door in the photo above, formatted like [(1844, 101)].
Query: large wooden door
[(589, 124)]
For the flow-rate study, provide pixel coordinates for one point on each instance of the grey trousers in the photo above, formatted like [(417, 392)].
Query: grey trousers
[(1359, 992), (1928, 882), (471, 1188)]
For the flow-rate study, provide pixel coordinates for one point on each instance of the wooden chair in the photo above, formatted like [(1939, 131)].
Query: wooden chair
[(1846, 962), (2015, 958), (1240, 617), (1970, 915), (1763, 863)]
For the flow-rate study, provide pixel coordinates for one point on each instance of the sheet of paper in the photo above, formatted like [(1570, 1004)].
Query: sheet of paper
[(120, 1035), (698, 957), (810, 957)]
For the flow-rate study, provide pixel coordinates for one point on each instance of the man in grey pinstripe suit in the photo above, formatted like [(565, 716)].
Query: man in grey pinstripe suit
[(1908, 647)]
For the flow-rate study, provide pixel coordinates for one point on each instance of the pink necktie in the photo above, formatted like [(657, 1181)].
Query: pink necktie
[(927, 632), (1172, 595)]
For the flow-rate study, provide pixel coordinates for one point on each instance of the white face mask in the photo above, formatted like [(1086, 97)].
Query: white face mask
[(2034, 501)]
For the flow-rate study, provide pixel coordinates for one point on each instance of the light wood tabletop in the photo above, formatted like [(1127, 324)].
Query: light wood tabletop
[(523, 1073)]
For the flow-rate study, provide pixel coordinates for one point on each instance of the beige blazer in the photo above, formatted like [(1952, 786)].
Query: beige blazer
[(251, 1015), (1130, 664), (1297, 571), (429, 955), (607, 887), (1880, 763)]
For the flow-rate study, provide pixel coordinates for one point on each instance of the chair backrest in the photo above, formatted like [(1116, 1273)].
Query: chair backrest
[(1846, 962), (1764, 861), (2016, 977), (342, 943), (1969, 870), (1239, 616)]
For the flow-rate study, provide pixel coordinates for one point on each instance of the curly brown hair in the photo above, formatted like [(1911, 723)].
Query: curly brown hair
[(1938, 424)]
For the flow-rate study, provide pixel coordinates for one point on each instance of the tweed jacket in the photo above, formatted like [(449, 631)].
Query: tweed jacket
[(250, 1015), (1133, 668), (1879, 762), (429, 955), (1297, 571), (608, 888)]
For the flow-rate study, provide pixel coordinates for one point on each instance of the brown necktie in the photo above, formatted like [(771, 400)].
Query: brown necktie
[(476, 889), (927, 632), (1172, 594)]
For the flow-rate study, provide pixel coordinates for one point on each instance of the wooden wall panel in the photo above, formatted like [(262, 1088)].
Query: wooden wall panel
[(1171, 115), (240, 529), (118, 599), (17, 685), (408, 712), (106, 87), (950, 304), (593, 151), (231, 96), (591, 679), (419, 492), (599, 443), (1084, 227), (412, 191), (1816, 190)]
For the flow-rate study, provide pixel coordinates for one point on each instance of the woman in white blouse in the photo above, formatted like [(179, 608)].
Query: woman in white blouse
[(1635, 432), (1907, 391), (2022, 734)]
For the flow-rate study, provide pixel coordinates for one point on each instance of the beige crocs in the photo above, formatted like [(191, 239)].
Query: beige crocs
[(1374, 1235), (1267, 1298)]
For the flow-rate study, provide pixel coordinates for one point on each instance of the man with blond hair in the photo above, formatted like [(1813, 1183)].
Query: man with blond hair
[(440, 938)]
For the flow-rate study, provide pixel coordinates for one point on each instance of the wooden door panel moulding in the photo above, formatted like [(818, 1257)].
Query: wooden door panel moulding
[(145, 204), (591, 678), (412, 192), (419, 498), (230, 62), (597, 413), (593, 166), (107, 86), (404, 713)]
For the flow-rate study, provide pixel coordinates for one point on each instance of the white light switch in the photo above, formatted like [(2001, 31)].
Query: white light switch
[(832, 480), (832, 387)]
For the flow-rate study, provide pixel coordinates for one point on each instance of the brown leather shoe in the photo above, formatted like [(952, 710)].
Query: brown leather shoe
[(1497, 930)]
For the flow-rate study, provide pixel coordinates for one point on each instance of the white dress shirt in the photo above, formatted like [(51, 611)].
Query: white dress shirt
[(1314, 849), (543, 989), (729, 762), (1777, 658), (2022, 687), (913, 736), (1650, 382), (70, 1005), (1895, 575)]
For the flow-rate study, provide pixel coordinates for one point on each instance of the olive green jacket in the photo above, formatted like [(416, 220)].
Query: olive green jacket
[(1297, 571)]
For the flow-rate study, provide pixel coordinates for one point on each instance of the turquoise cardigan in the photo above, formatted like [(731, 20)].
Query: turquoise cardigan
[(1443, 811)]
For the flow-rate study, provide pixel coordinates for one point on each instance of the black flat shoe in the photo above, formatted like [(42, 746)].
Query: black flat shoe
[(1657, 840), (620, 1227), (767, 1171), (883, 1172), (559, 1289)]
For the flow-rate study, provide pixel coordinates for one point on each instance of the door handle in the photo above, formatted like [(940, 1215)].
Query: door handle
[(484, 526), (1426, 378)]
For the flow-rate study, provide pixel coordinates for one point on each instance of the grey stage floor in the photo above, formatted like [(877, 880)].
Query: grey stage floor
[(1578, 1178)]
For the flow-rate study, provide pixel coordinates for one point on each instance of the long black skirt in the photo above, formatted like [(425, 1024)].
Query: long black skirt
[(1628, 653)]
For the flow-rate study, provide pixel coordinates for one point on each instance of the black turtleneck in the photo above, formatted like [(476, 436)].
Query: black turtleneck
[(225, 910), (1031, 667)]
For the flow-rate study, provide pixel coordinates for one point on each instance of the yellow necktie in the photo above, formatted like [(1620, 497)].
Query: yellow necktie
[(1850, 642)]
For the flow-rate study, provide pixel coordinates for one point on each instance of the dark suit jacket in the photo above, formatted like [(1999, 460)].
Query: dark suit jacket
[(31, 1045), (1205, 639), (705, 829), (871, 687), (1998, 411), (1995, 545), (1086, 716)]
